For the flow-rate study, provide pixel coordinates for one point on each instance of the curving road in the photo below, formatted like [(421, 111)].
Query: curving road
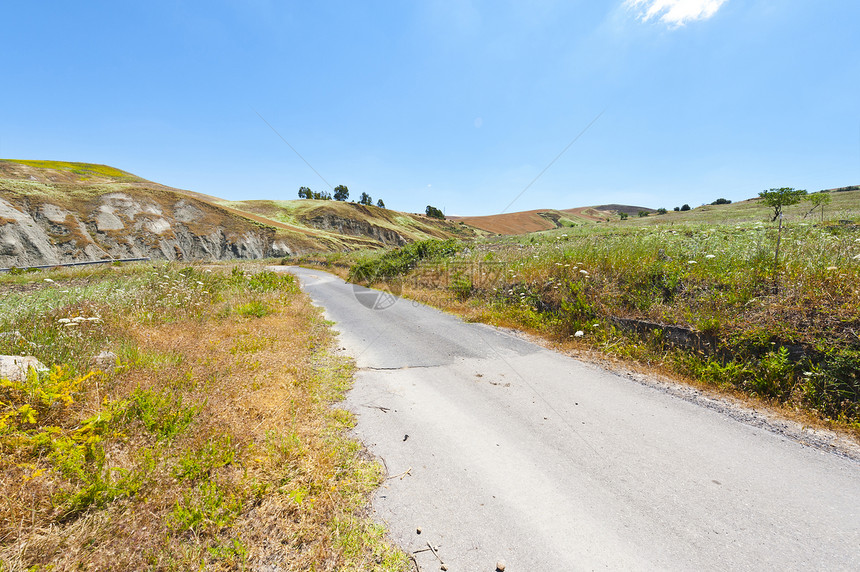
[(498, 449)]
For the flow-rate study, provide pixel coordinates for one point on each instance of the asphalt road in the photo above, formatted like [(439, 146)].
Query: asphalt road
[(499, 449)]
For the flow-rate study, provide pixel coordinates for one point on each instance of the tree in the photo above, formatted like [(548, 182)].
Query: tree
[(341, 193), (685, 207), (643, 214), (623, 216), (722, 202), (433, 212), (365, 199), (305, 193), (661, 210), (676, 209), (380, 204), (819, 201), (778, 199)]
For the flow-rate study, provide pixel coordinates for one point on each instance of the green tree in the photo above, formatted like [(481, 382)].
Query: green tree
[(380, 204), (623, 216), (685, 207), (365, 199), (722, 202), (341, 193), (433, 212), (643, 214), (780, 198), (819, 201), (305, 193), (661, 210)]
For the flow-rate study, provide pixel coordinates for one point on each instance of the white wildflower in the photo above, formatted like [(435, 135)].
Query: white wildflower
[(710, 256), (692, 262), (831, 268), (49, 281), (64, 320), (579, 334)]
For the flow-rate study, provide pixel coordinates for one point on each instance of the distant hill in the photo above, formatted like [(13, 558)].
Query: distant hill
[(53, 212), (547, 219)]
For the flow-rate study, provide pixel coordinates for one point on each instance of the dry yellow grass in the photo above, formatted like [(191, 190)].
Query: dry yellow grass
[(220, 448)]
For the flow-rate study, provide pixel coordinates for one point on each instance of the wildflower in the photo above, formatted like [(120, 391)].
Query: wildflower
[(583, 271), (48, 280), (579, 334), (710, 256), (64, 320), (692, 262), (200, 283), (831, 268)]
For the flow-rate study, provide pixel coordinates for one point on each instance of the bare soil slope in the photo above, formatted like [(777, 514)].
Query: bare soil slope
[(546, 219)]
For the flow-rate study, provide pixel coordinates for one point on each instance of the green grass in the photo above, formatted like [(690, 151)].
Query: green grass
[(83, 170)]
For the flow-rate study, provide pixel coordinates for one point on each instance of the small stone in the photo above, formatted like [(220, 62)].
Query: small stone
[(105, 361), (500, 566), (418, 530), (17, 368), (444, 567)]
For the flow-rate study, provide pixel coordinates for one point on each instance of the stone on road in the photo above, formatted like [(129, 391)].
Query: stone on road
[(527, 458)]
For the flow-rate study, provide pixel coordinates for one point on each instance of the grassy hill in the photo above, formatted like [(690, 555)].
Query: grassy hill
[(56, 211), (351, 224)]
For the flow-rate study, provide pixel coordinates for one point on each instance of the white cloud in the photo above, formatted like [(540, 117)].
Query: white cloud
[(675, 12)]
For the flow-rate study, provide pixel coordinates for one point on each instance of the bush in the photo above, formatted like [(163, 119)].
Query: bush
[(393, 263)]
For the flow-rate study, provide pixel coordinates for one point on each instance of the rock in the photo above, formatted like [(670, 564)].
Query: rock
[(443, 567), (418, 530), (578, 334), (16, 368), (500, 566), (105, 361)]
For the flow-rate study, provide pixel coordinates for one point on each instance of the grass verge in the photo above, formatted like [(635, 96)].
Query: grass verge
[(211, 443), (707, 302)]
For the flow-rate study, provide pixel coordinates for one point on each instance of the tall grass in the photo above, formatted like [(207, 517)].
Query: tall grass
[(209, 444)]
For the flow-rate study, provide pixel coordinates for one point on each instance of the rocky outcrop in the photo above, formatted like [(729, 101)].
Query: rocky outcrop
[(120, 225), (352, 227)]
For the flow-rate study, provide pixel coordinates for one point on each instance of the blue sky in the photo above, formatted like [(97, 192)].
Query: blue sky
[(458, 104)]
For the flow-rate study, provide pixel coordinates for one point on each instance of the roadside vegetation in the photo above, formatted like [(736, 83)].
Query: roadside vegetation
[(206, 439), (707, 299)]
